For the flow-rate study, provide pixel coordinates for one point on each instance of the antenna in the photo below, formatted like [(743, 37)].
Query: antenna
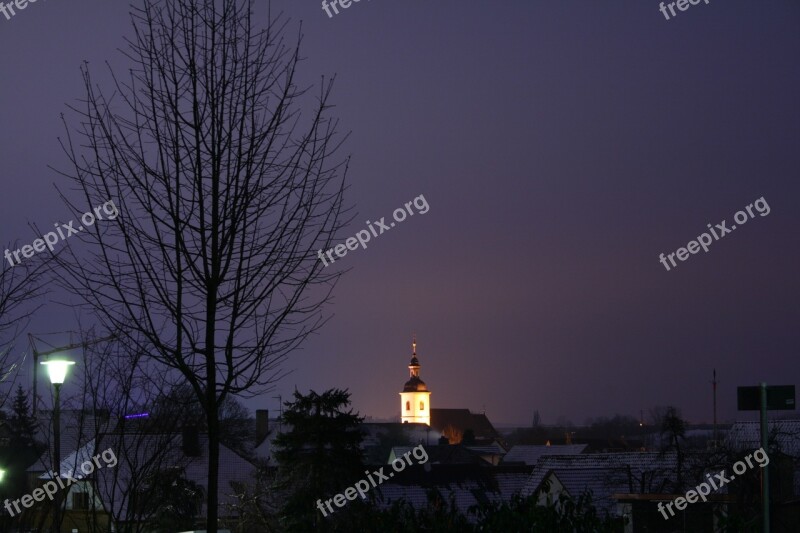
[(714, 386)]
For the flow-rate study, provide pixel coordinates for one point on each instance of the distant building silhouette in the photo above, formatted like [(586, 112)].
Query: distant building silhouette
[(454, 423)]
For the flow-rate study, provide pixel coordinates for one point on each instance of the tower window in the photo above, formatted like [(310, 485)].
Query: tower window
[(408, 406), (421, 406)]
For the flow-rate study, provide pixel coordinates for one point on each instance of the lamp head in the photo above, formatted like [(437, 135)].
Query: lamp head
[(57, 370)]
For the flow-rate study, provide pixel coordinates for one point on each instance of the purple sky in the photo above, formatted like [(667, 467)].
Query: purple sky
[(562, 146)]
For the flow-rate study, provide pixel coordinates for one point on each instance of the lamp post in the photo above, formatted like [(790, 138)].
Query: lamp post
[(57, 371), (2, 475)]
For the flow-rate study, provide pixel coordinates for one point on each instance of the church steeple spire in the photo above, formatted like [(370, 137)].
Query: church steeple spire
[(413, 367)]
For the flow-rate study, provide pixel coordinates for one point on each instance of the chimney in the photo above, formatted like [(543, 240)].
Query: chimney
[(191, 441), (262, 425)]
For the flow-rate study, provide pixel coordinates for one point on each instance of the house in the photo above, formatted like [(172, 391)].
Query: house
[(120, 490), (492, 451), (381, 437), (467, 485), (627, 484), (124, 489), (444, 454), (746, 436), (784, 454), (455, 423)]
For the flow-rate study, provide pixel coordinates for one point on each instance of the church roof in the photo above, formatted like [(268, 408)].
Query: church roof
[(463, 420), (415, 385)]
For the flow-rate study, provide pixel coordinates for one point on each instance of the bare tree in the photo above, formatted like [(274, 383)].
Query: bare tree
[(673, 435), (118, 381), (223, 193), (19, 287)]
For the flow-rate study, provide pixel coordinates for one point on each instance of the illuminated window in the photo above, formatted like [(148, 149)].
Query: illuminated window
[(408, 406), (421, 406)]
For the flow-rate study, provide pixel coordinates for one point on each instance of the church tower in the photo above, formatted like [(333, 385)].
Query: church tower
[(415, 404)]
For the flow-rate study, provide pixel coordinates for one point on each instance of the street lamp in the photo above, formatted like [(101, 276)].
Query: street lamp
[(57, 371)]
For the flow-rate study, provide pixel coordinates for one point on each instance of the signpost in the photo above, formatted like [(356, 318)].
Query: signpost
[(763, 398), (779, 398)]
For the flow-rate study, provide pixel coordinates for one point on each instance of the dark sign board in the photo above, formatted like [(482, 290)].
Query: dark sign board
[(779, 398)]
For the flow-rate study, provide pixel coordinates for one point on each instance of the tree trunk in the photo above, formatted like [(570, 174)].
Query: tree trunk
[(213, 469)]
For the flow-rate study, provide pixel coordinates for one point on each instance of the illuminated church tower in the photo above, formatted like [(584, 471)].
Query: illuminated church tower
[(415, 405)]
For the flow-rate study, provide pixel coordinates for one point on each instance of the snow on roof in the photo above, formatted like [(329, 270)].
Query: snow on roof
[(530, 454), (747, 435)]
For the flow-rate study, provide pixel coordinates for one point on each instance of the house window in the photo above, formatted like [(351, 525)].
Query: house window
[(80, 500), (408, 406), (421, 406)]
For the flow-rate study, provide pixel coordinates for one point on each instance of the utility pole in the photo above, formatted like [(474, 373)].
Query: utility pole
[(765, 470), (714, 384), (762, 398)]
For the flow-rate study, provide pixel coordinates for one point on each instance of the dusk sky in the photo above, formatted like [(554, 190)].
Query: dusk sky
[(562, 146)]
